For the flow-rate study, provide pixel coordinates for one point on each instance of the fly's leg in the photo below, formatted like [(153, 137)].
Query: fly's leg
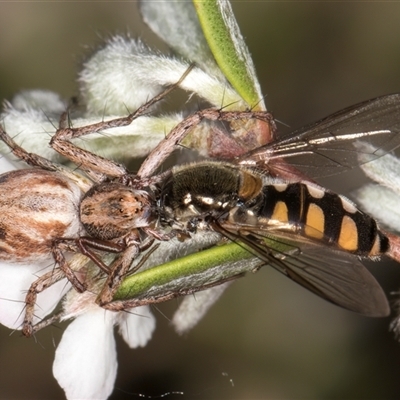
[(88, 161), (160, 235)]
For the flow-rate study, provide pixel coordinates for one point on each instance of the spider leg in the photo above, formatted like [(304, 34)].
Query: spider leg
[(84, 245), (168, 145), (42, 283), (119, 269), (35, 160), (31, 159), (89, 161)]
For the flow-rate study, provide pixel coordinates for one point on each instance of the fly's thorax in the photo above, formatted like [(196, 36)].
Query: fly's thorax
[(208, 189), (36, 208), (111, 210), (321, 215)]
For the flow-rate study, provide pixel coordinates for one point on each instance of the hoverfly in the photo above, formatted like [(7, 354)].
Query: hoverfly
[(258, 199), (323, 231)]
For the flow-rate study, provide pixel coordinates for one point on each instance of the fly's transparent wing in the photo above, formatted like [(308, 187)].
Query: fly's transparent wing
[(339, 278), (334, 275), (326, 147)]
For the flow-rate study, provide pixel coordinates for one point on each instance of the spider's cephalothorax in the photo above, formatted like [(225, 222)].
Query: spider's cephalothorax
[(110, 210)]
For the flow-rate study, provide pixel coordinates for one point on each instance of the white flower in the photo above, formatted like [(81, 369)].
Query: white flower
[(85, 364), (15, 279)]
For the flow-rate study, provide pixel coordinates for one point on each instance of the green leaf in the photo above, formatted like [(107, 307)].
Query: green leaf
[(191, 273), (229, 49)]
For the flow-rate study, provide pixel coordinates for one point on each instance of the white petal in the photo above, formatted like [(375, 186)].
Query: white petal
[(15, 280), (385, 170), (380, 202), (45, 100), (125, 74), (6, 165), (85, 365), (136, 326), (32, 128), (76, 304), (193, 308)]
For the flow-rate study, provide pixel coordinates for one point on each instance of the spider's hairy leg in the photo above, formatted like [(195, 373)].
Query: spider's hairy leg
[(42, 283), (175, 137), (35, 160), (31, 159), (85, 244), (89, 161), (67, 270), (119, 269), (121, 266)]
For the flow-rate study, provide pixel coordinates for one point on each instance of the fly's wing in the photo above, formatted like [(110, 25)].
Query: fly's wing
[(339, 278), (326, 147), (336, 276)]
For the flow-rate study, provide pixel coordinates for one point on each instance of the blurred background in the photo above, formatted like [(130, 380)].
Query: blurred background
[(266, 338)]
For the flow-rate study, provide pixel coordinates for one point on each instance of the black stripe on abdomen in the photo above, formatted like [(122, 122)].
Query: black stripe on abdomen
[(324, 216)]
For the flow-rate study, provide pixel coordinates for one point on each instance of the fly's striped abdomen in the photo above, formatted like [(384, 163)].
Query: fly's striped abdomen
[(322, 215)]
